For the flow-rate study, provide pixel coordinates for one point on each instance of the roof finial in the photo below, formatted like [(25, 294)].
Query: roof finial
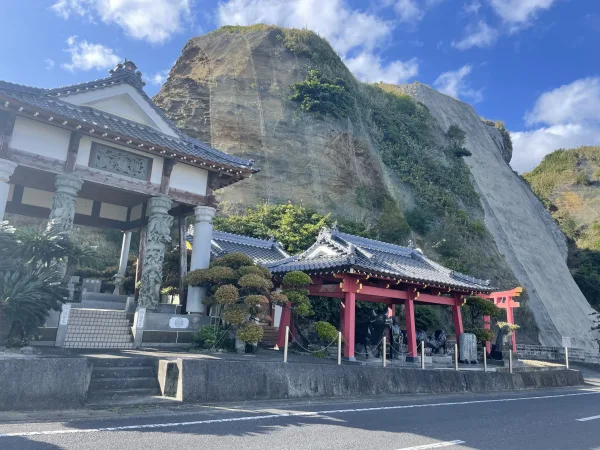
[(128, 68), (411, 244)]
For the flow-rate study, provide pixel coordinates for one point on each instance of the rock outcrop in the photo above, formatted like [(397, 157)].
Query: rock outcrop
[(231, 88)]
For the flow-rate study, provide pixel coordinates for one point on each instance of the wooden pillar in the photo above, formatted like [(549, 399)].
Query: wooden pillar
[(342, 317), (510, 318), (411, 332), (73, 150), (7, 124), (487, 324), (140, 259), (457, 317), (286, 319), (183, 268), (391, 310), (349, 325)]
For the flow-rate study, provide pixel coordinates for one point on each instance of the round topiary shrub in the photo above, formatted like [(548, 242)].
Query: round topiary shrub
[(279, 299), (255, 301), (250, 333), (221, 274), (235, 314), (296, 279), (256, 270), (253, 281), (197, 277), (233, 260), (226, 294), (326, 332)]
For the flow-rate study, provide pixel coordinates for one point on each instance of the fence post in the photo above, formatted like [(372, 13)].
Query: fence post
[(510, 368), (339, 347), (384, 350), (455, 356), (484, 358), (285, 349), (422, 354), (567, 356)]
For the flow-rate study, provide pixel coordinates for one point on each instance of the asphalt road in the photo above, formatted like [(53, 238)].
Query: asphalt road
[(540, 419)]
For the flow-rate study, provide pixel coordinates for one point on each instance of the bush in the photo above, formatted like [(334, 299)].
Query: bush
[(233, 261), (326, 332), (226, 294), (221, 274), (320, 95), (460, 152), (296, 279), (255, 270), (253, 281), (256, 301), (250, 333), (211, 337), (197, 277), (235, 314), (482, 335), (279, 299)]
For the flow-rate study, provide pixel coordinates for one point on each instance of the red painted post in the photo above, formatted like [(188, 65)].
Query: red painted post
[(349, 324), (457, 318), (487, 323), (411, 334), (510, 318), (391, 310), (286, 318), (342, 317)]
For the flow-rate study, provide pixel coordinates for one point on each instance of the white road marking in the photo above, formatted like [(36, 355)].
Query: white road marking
[(436, 445), (585, 419), (282, 415)]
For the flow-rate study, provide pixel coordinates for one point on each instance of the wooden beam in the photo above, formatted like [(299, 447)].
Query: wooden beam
[(73, 151), (7, 125), (166, 175)]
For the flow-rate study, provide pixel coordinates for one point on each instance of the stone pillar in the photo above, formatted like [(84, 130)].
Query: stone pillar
[(62, 213), (7, 168), (158, 234), (200, 255), (123, 262)]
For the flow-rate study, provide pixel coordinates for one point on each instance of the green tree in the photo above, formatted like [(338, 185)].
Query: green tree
[(321, 95), (456, 135)]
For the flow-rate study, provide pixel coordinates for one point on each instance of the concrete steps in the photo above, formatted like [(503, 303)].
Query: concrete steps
[(269, 337), (123, 382), (98, 328)]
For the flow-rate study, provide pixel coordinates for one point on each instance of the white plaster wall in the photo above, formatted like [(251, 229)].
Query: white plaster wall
[(114, 212), (122, 100), (85, 148), (11, 190), (83, 206), (189, 178), (136, 212), (40, 138), (36, 197)]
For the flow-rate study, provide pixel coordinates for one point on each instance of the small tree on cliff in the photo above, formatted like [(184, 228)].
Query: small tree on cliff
[(242, 288)]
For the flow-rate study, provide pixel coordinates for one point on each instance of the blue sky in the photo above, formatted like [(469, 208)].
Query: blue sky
[(532, 63)]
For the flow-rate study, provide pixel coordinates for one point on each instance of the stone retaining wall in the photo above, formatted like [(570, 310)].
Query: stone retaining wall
[(222, 381), (557, 354), (43, 383)]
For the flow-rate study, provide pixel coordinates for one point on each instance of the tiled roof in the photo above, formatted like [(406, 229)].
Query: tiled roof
[(336, 251), (262, 251), (49, 100)]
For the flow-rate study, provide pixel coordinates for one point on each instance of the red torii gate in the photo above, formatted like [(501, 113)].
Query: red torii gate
[(503, 300)]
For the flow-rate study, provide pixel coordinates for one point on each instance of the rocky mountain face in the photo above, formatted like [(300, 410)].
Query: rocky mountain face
[(376, 154)]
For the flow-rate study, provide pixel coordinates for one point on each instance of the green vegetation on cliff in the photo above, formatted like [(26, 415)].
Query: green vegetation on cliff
[(567, 182)]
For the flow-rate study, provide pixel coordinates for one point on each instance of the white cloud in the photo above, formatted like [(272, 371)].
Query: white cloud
[(570, 103), (409, 10), (370, 68), (154, 21), (480, 35), (530, 147), (453, 83), (519, 11), (86, 56), (347, 30), (49, 63), (472, 8), (570, 117), (158, 78)]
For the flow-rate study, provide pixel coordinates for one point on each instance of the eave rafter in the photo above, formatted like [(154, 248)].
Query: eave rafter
[(226, 174)]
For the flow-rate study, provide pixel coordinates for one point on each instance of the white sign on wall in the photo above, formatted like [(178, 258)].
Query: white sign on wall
[(64, 316), (141, 315), (179, 322), (566, 342)]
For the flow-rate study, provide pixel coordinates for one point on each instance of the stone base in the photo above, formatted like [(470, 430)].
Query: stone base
[(437, 359), (417, 359)]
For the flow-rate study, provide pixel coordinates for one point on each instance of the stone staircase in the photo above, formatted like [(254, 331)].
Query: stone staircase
[(123, 381), (269, 337), (98, 328)]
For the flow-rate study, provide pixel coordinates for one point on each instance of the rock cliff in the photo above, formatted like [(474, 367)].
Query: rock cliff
[(370, 153)]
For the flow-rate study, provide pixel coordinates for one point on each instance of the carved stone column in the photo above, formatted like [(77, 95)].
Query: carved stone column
[(62, 213), (7, 168), (158, 234), (200, 255)]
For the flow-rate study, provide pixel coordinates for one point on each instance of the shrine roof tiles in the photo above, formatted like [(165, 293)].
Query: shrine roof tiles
[(335, 251), (49, 100)]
